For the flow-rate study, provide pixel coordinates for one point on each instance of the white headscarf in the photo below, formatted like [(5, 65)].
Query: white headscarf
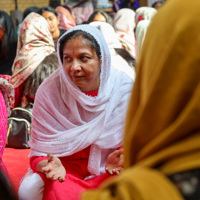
[(124, 24), (144, 13), (140, 34), (66, 120), (117, 61)]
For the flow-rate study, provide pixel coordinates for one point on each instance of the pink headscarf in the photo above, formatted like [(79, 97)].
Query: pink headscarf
[(66, 19)]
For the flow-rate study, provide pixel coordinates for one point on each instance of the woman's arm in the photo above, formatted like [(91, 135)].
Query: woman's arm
[(51, 166)]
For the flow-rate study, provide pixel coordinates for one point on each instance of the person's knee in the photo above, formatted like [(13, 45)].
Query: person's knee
[(31, 188)]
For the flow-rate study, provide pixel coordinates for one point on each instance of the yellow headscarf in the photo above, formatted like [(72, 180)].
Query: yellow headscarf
[(162, 135)]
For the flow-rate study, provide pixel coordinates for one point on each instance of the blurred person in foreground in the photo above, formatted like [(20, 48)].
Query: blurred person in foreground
[(162, 136)]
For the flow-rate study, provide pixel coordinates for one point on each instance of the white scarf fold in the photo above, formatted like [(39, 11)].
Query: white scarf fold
[(66, 120)]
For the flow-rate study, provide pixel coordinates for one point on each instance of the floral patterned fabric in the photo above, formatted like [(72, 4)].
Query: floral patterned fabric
[(35, 42), (8, 93)]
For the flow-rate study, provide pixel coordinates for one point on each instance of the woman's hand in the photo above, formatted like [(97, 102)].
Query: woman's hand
[(114, 164), (54, 169)]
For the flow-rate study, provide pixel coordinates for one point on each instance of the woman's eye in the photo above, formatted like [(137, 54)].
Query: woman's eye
[(50, 18), (67, 58), (84, 58)]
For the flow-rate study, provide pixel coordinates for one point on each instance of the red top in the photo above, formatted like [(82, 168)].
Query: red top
[(84, 154)]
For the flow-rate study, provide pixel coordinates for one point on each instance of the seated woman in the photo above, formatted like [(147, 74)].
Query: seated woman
[(8, 43), (162, 134), (43, 71), (26, 12), (66, 20), (140, 33), (100, 16), (82, 9), (144, 13), (120, 58), (124, 25), (78, 119), (53, 20), (35, 42), (6, 104), (131, 4)]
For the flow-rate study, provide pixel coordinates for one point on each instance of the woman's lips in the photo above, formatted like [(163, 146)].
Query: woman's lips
[(77, 77)]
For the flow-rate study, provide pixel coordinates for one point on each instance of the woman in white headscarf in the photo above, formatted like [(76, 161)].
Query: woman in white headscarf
[(120, 58), (144, 13), (78, 119), (140, 34), (124, 25)]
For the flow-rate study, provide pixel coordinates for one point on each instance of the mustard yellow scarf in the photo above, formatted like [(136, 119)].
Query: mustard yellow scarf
[(162, 135)]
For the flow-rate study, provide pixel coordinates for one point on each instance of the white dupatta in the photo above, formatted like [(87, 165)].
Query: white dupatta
[(66, 120)]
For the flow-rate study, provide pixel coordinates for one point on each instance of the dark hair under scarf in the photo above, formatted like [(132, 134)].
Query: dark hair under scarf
[(7, 59)]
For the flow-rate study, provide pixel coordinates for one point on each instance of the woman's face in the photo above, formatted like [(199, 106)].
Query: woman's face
[(82, 64), (53, 22), (99, 18)]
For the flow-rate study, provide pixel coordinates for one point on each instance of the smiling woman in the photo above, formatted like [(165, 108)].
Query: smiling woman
[(78, 119)]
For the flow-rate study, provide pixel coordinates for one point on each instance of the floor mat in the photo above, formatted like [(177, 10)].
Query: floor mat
[(17, 163)]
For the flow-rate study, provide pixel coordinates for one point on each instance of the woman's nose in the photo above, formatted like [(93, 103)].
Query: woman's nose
[(76, 66)]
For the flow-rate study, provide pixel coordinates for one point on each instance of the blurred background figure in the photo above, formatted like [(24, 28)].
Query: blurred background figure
[(43, 71), (117, 5), (100, 16), (82, 9), (143, 18), (8, 43), (35, 42), (6, 104), (140, 34), (53, 20), (66, 19), (120, 58), (124, 25), (144, 13), (132, 4), (26, 12), (157, 4)]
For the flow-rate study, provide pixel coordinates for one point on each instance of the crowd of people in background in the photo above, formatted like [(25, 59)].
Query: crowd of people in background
[(107, 106)]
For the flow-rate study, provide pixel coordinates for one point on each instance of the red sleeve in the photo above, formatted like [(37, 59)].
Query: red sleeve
[(35, 160)]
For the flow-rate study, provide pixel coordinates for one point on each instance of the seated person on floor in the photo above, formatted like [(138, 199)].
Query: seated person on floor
[(78, 120), (35, 42)]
